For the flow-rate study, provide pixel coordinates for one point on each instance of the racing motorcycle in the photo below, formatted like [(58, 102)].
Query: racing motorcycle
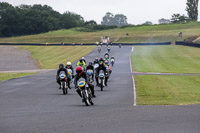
[(70, 75), (112, 61), (85, 92), (101, 79), (64, 86), (108, 71), (99, 49), (90, 73)]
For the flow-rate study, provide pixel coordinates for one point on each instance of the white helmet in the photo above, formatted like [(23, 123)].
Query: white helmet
[(83, 58), (69, 63)]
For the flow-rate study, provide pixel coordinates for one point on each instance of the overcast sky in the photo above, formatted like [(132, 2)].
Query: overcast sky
[(137, 11)]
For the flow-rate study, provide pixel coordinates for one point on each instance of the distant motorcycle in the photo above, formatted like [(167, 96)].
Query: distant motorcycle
[(85, 92), (112, 61), (64, 86), (99, 49)]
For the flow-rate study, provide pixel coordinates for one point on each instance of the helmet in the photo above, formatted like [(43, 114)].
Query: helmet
[(83, 58), (101, 59), (96, 59), (79, 70), (90, 63), (61, 66), (69, 63)]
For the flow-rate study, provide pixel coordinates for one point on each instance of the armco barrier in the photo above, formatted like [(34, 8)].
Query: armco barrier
[(34, 44), (188, 44)]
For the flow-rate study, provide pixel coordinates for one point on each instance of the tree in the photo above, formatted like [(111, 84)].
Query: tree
[(177, 18), (118, 19), (148, 23), (89, 23), (163, 21), (108, 19), (192, 9)]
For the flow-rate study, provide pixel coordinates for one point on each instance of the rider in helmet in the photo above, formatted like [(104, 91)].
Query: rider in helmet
[(96, 61), (83, 58), (108, 66), (69, 66), (81, 63), (62, 69), (90, 67), (108, 49), (81, 74), (112, 57), (101, 67)]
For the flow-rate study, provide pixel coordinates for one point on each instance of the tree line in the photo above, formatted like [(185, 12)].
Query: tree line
[(26, 19)]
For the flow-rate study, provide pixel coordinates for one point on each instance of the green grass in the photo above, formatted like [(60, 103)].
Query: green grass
[(49, 57), (6, 76), (137, 34), (166, 59), (167, 90)]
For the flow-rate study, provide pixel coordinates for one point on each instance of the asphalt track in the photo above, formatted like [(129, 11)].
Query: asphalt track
[(34, 104)]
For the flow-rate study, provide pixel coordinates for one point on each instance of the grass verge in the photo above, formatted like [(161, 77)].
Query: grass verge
[(167, 90), (166, 59), (137, 34), (6, 76), (49, 57)]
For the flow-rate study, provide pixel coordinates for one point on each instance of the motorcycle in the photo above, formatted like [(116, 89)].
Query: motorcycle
[(108, 71), (70, 75), (90, 73), (64, 86), (101, 79), (96, 65), (112, 61), (99, 49), (85, 92)]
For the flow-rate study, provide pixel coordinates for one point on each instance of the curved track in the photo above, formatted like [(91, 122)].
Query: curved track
[(35, 104)]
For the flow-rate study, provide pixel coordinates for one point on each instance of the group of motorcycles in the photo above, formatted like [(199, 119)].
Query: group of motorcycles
[(81, 83)]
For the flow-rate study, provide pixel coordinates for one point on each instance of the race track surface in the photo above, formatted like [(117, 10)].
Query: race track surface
[(34, 104)]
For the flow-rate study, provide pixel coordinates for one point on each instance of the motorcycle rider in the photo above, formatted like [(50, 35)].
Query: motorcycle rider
[(120, 45), (81, 63), (106, 56), (62, 68), (108, 66), (101, 67), (112, 59), (99, 49), (90, 67), (69, 66), (108, 49), (81, 74), (96, 61), (83, 58)]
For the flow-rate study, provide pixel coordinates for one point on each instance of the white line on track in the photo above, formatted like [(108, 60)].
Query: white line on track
[(134, 88)]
